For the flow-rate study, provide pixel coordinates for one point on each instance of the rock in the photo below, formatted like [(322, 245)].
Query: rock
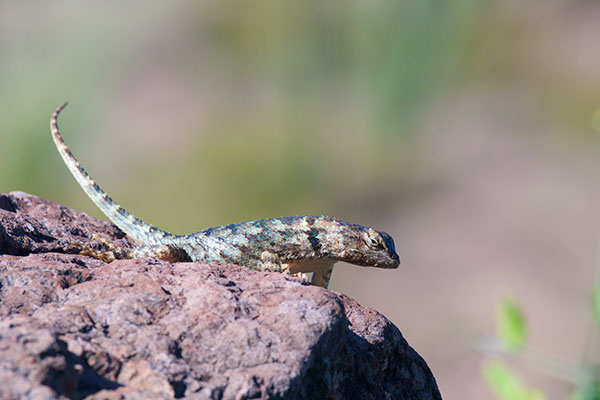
[(72, 326)]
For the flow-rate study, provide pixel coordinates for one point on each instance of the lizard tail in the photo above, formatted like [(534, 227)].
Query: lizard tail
[(138, 230)]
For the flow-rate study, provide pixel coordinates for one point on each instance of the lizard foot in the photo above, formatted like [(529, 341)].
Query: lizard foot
[(305, 276), (114, 252), (163, 252), (106, 256), (105, 241)]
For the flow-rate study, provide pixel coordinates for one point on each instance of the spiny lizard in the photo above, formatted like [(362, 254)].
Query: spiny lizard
[(295, 245)]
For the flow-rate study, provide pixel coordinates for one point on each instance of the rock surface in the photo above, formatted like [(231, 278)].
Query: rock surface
[(74, 327)]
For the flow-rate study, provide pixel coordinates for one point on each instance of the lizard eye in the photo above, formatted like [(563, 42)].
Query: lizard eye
[(374, 242)]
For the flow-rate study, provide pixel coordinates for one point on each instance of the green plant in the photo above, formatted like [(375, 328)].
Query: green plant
[(510, 343)]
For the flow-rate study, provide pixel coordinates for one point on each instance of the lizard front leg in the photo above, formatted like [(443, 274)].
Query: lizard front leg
[(320, 269), (322, 277), (271, 262)]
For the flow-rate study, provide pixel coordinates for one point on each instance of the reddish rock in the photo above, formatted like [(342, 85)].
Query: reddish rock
[(75, 327)]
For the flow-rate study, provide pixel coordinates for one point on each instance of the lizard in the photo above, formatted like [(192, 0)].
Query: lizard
[(294, 245)]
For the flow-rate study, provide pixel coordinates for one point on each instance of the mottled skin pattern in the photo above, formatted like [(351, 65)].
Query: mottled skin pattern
[(295, 245)]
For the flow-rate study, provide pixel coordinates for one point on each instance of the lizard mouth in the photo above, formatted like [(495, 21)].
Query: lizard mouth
[(391, 264)]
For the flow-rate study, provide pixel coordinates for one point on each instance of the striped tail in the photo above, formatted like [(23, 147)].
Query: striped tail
[(136, 229)]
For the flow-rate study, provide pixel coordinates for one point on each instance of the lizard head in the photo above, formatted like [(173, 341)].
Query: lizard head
[(376, 249), (360, 245)]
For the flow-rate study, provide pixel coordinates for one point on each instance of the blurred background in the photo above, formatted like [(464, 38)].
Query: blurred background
[(468, 130)]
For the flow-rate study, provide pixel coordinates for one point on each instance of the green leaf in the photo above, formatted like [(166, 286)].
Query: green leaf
[(596, 302), (506, 385), (587, 389), (585, 394), (512, 328)]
